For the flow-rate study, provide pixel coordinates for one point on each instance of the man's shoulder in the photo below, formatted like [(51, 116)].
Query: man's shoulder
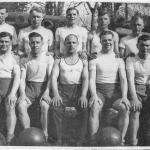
[(8, 25), (27, 29), (46, 30)]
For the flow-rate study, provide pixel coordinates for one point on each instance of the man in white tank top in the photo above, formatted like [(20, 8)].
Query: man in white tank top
[(138, 74), (108, 87), (71, 73)]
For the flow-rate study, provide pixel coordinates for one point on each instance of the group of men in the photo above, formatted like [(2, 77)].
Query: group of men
[(113, 82)]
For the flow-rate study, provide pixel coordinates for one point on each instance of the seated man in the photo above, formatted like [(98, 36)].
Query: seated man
[(138, 72), (35, 82), (9, 82), (72, 75), (107, 77)]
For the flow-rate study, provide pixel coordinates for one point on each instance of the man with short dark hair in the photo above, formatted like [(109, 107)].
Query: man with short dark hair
[(36, 15), (138, 72), (35, 82), (9, 82)]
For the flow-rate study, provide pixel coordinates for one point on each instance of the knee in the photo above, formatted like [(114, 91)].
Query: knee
[(95, 110), (134, 115), (21, 109), (123, 110), (9, 109), (44, 107)]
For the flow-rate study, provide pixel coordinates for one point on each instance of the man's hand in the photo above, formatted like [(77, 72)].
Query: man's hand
[(83, 102), (45, 97), (126, 102), (136, 105), (23, 97), (56, 101), (11, 99), (94, 99), (92, 56), (82, 55)]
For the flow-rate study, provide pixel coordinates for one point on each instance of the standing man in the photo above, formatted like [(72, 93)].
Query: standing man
[(35, 82), (138, 72), (36, 15), (9, 82), (71, 73), (128, 44), (108, 86), (72, 15), (94, 45), (4, 27)]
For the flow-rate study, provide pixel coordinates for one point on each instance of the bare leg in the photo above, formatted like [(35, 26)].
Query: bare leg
[(23, 114), (44, 117), (10, 122), (123, 121), (134, 126), (94, 119)]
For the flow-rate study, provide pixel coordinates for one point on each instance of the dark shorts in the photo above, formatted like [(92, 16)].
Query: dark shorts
[(142, 91), (108, 93), (5, 87), (34, 90), (70, 94)]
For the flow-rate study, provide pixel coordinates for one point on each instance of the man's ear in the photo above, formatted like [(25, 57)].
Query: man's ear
[(6, 15)]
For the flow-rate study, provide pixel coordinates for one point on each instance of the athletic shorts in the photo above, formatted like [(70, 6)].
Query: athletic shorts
[(108, 93), (5, 87), (142, 91), (35, 90), (70, 94)]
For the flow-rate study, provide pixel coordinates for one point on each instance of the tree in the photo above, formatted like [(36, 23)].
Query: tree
[(54, 8)]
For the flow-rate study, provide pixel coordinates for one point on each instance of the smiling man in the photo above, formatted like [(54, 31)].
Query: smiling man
[(9, 82), (36, 15), (108, 86), (138, 72), (35, 82), (72, 15)]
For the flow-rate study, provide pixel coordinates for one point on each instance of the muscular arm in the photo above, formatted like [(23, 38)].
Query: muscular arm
[(16, 81), (85, 78), (123, 79), (92, 76), (22, 82), (55, 75), (130, 77), (116, 45)]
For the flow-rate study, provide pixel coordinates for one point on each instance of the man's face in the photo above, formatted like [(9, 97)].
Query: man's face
[(104, 21), (36, 44), (71, 44), (36, 18), (144, 48), (107, 42), (3, 15), (137, 26), (72, 16), (5, 44)]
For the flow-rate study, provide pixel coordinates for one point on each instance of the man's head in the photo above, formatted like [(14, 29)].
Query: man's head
[(5, 42), (72, 15), (36, 15), (36, 43), (137, 24), (103, 19), (107, 41), (144, 46), (71, 43), (3, 14)]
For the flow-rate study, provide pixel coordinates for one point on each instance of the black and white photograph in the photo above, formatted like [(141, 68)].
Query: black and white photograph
[(75, 75)]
